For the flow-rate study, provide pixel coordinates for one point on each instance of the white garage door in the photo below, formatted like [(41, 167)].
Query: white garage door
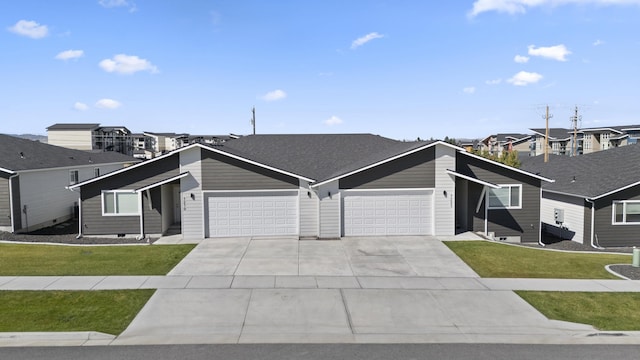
[(252, 214), (388, 213)]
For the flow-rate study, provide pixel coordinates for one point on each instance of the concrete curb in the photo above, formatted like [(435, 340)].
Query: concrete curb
[(73, 338)]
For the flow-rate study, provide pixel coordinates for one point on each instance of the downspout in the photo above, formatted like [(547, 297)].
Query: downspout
[(141, 210), (79, 213), (593, 217), (540, 223), (13, 228)]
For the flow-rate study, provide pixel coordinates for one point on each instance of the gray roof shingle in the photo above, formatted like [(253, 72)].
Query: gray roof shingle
[(18, 154), (318, 156), (590, 175), (555, 133), (65, 126)]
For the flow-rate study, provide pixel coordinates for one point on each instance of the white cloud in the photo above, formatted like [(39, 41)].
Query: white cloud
[(521, 6), (524, 78), (598, 42), (108, 104), (70, 54), (80, 106), (274, 95), (118, 3), (334, 120), (469, 90), (127, 64), (557, 52), (365, 39), (30, 29), (520, 59), (493, 82)]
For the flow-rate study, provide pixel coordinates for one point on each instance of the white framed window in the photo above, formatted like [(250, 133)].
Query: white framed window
[(506, 197), (73, 177), (626, 212), (120, 203), (96, 172)]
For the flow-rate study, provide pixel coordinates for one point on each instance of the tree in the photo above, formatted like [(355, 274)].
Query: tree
[(509, 158)]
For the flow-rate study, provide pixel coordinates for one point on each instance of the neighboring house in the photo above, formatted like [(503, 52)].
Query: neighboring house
[(499, 143), (92, 137), (595, 198), (33, 177), (560, 142), (603, 138), (314, 186)]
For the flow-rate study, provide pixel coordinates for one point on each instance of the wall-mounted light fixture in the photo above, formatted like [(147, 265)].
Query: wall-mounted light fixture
[(193, 196), (309, 194), (444, 192), (329, 194)]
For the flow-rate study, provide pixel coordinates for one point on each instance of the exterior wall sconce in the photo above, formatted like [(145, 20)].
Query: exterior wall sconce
[(193, 196), (309, 194), (444, 192), (329, 194)]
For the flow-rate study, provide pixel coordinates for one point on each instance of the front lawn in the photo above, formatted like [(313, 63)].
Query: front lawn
[(497, 260), (32, 260), (43, 311), (604, 311)]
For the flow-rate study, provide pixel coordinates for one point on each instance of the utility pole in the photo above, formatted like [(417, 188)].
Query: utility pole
[(546, 136), (574, 143), (253, 119)]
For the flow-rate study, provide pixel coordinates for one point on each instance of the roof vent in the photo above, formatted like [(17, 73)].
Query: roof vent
[(21, 155), (573, 180)]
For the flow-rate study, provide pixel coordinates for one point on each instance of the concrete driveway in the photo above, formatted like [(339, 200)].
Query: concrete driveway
[(371, 256), (356, 290)]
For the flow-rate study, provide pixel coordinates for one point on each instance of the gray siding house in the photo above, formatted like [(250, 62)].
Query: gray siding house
[(33, 177), (595, 199), (308, 186)]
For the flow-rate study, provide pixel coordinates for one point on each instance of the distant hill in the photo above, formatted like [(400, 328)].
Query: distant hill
[(41, 138)]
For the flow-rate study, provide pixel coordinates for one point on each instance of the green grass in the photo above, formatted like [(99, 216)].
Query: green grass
[(31, 260), (507, 261), (104, 311), (604, 311)]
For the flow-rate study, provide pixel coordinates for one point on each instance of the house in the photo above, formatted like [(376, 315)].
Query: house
[(560, 142), (595, 198), (603, 138), (498, 143), (314, 186), (33, 177)]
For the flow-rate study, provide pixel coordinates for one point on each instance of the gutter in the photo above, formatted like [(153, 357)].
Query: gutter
[(15, 175), (593, 216)]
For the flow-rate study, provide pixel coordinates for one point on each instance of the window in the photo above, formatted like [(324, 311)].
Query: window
[(96, 172), (73, 177), (506, 197), (626, 212), (122, 203)]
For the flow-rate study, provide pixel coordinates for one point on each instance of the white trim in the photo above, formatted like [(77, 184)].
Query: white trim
[(472, 179), (7, 170), (252, 191), (384, 161), (616, 190), (382, 190), (77, 172), (508, 167), (509, 207), (624, 212), (162, 182), (13, 220), (173, 152), (141, 210), (599, 130), (120, 191)]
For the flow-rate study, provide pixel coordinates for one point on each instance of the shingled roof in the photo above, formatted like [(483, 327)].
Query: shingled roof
[(591, 175), (17, 154), (554, 133), (318, 156)]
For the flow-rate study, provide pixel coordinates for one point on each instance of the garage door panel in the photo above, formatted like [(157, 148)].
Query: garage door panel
[(252, 215), (389, 213)]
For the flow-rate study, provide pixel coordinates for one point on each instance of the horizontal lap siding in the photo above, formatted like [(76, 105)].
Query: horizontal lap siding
[(96, 224), (416, 170), (5, 203), (223, 173), (574, 213), (615, 235), (523, 222)]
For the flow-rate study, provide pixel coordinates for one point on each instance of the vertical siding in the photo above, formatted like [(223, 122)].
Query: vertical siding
[(615, 235), (192, 208), (416, 170), (329, 207), (444, 204), (221, 172), (5, 203), (524, 222), (574, 213), (308, 213)]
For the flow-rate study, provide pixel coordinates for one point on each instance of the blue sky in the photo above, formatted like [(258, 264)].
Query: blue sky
[(397, 68)]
